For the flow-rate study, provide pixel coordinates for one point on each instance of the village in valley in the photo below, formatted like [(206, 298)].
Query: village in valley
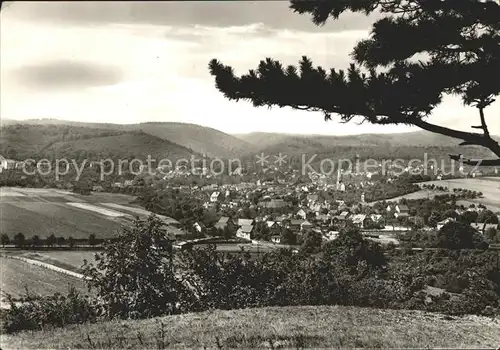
[(284, 206), (250, 174)]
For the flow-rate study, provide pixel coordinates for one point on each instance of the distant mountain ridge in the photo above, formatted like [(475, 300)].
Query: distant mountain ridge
[(412, 145), (24, 141), (185, 137), (203, 140), (414, 138)]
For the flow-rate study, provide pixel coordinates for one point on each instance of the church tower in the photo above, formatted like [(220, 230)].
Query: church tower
[(338, 178)]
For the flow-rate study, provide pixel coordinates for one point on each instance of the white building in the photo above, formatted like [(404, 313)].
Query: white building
[(214, 197)]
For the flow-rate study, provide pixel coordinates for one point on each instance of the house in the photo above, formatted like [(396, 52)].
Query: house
[(342, 207), (444, 222), (245, 228), (274, 227), (358, 219), (402, 211), (295, 225), (128, 183), (225, 223), (342, 218), (245, 222), (341, 186), (306, 225), (301, 214), (7, 164), (378, 219), (3, 163), (215, 196), (199, 228), (245, 231), (344, 215)]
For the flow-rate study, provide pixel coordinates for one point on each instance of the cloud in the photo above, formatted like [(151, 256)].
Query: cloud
[(275, 14), (129, 66), (67, 74)]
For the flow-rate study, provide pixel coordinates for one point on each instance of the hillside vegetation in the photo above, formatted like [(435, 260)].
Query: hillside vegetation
[(59, 141), (127, 145), (24, 141), (416, 138), (204, 140), (38, 135), (387, 146), (201, 139), (274, 327)]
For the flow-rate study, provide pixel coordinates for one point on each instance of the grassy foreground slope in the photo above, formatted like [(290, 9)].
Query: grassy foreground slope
[(291, 327)]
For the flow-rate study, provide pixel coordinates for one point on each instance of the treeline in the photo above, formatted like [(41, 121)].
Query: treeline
[(23, 141), (346, 271), (461, 193), (19, 240), (440, 207)]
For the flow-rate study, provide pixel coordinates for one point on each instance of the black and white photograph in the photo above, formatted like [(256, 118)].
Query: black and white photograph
[(290, 174)]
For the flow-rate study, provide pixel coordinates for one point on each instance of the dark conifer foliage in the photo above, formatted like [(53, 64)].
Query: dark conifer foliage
[(418, 51)]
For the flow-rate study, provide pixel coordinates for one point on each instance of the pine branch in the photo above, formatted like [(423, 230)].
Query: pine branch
[(480, 162), (459, 37), (483, 121), (469, 139)]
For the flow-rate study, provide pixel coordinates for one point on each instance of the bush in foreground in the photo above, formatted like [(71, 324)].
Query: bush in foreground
[(52, 311), (137, 277)]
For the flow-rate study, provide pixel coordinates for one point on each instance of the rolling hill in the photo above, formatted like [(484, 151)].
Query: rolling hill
[(69, 141), (201, 139), (204, 140), (400, 145), (214, 143), (415, 139), (134, 144)]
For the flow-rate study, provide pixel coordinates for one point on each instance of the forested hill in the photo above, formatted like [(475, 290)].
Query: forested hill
[(377, 146), (77, 142), (416, 138), (201, 139), (60, 137)]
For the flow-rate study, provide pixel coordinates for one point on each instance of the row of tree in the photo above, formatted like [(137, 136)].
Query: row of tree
[(20, 241)]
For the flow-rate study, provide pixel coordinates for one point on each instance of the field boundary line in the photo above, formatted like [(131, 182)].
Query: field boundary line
[(49, 266)]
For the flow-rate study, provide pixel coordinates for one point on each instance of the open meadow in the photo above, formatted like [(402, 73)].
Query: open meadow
[(71, 260), (44, 212), (17, 275), (489, 186), (425, 193)]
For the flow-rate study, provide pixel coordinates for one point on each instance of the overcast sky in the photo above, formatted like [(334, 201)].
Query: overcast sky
[(131, 62)]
